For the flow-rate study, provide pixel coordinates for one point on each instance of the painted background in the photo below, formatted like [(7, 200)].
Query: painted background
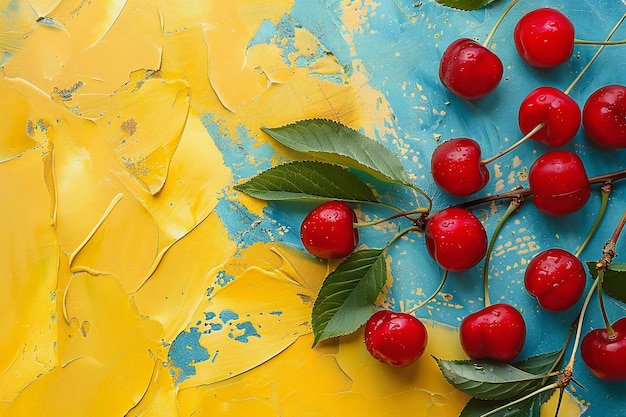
[(135, 281)]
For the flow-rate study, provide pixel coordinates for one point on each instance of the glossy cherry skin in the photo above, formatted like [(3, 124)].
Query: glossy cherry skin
[(605, 356), (495, 332), (544, 38), (556, 278), (397, 339), (604, 116), (559, 112), (456, 167), (328, 230), (470, 70), (559, 183), (455, 239)]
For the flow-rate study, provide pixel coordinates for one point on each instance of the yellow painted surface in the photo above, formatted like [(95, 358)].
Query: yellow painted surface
[(111, 245)]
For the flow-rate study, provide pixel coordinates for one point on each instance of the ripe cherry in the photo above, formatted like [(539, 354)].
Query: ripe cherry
[(455, 239), (559, 183), (470, 70), (328, 230), (397, 339), (495, 332), (558, 111), (544, 38), (604, 116), (604, 355), (556, 278), (456, 167)]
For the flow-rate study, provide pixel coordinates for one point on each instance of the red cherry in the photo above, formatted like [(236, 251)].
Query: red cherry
[(557, 110), (456, 167), (544, 38), (556, 278), (328, 230), (397, 339), (470, 70), (606, 356), (604, 116), (455, 239), (559, 183), (495, 332)]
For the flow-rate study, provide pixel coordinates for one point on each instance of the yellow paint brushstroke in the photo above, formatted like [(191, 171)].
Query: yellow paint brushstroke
[(267, 310)]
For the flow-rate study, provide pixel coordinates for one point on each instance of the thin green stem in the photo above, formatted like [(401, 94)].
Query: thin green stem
[(387, 219), (581, 317), (609, 330), (432, 296), (605, 191), (571, 86), (515, 145), (400, 234), (495, 27), (588, 42), (513, 205), (521, 399), (423, 194)]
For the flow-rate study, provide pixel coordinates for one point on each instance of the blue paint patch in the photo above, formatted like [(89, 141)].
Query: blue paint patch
[(184, 352), (223, 278), (248, 331), (276, 313), (227, 316), (238, 148)]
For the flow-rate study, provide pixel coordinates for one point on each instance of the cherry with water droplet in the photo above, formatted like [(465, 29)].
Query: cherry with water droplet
[(559, 183), (456, 167), (396, 339), (544, 38), (328, 230), (604, 353), (496, 332), (604, 116), (455, 239)]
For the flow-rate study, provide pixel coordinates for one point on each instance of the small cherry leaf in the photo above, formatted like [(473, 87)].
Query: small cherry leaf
[(488, 379), (465, 4), (527, 408), (541, 364), (307, 180), (344, 302), (614, 280), (340, 144)]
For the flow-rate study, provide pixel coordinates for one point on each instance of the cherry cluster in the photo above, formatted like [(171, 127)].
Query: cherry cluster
[(456, 239)]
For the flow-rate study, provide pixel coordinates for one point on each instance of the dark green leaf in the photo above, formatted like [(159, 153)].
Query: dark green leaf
[(465, 4), (340, 144), (541, 364), (345, 300), (488, 379), (614, 281), (528, 408), (307, 180)]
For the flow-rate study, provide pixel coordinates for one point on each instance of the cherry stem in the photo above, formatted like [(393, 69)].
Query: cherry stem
[(579, 76), (513, 205), (587, 42), (420, 210), (579, 326), (495, 27), (522, 399), (432, 296), (605, 191), (515, 145), (609, 330), (423, 194)]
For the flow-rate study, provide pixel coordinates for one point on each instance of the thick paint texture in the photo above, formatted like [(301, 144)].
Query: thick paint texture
[(135, 282)]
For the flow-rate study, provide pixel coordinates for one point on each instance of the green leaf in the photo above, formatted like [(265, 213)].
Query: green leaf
[(614, 281), (307, 180), (541, 364), (344, 302), (488, 379), (465, 4), (528, 408), (340, 144)]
